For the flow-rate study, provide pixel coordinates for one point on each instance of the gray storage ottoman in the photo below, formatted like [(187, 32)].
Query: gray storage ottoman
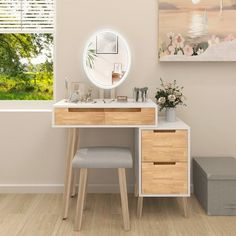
[(214, 180)]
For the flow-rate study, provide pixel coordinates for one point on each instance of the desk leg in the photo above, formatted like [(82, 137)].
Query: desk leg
[(135, 187), (185, 206), (140, 207), (72, 145)]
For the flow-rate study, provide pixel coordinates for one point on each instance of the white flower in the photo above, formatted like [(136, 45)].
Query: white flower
[(179, 41), (213, 40), (188, 50), (168, 86), (177, 94), (161, 100), (170, 35), (171, 97), (171, 49), (229, 37), (180, 53), (200, 51)]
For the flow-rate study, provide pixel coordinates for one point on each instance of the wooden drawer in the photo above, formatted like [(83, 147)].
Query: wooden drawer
[(105, 116), (164, 178), (164, 145), (79, 116), (130, 116), (153, 153), (165, 138)]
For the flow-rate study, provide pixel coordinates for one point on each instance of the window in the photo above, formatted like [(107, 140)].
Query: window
[(26, 49)]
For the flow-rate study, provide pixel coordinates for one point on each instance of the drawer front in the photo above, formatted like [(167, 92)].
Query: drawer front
[(130, 116), (105, 116), (165, 138), (79, 116), (153, 153), (164, 178), (164, 145)]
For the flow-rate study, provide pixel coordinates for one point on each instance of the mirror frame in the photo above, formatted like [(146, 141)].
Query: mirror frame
[(129, 59)]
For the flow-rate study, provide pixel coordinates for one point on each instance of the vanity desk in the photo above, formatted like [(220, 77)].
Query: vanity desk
[(161, 149)]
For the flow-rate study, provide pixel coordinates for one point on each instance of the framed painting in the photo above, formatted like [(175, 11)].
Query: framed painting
[(197, 30)]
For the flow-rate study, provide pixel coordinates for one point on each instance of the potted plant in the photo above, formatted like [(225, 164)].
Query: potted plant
[(169, 96)]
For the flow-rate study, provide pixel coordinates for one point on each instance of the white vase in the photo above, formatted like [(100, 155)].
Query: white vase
[(170, 114)]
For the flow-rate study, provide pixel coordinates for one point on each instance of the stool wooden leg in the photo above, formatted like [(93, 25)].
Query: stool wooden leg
[(185, 206), (73, 183), (140, 207), (124, 198), (86, 193), (80, 201), (72, 145)]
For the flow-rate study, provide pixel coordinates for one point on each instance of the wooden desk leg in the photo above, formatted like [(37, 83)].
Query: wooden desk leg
[(135, 187), (72, 140), (140, 207), (185, 206)]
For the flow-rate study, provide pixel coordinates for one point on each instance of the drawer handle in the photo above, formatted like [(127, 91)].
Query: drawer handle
[(164, 131), (164, 163), (104, 109), (85, 110)]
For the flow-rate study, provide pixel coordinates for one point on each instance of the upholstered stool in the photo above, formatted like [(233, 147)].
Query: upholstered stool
[(102, 157)]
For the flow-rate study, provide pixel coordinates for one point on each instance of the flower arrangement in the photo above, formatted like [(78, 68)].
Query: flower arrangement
[(169, 95), (176, 44)]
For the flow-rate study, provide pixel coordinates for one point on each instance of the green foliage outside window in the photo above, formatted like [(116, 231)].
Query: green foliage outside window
[(26, 66)]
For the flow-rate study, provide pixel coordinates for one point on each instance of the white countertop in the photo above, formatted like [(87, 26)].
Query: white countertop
[(109, 103), (163, 124)]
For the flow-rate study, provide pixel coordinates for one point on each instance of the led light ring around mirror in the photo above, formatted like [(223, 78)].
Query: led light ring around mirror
[(128, 60)]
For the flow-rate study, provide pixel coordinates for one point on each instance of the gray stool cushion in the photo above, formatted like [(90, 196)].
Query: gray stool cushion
[(103, 157)]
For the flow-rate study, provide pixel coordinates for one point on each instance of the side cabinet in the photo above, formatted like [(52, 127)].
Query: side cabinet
[(164, 161), (163, 166)]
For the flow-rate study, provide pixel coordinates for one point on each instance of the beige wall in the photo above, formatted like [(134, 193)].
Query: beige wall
[(32, 152)]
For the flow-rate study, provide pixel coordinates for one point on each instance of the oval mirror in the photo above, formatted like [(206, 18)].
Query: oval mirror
[(107, 59)]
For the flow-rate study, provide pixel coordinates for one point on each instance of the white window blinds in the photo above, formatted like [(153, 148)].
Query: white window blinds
[(18, 16)]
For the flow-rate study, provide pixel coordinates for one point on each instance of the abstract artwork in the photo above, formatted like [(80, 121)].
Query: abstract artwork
[(197, 30)]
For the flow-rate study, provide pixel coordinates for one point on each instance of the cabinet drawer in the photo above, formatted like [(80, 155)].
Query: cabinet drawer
[(164, 138), (79, 116), (153, 153), (105, 116), (164, 177), (130, 116)]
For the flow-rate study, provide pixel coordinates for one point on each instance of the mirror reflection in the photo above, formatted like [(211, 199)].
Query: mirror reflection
[(107, 59)]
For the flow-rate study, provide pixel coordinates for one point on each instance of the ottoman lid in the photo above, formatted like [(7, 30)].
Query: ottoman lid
[(220, 168)]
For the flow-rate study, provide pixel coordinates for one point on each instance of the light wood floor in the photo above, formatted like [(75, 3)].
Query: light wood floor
[(40, 214)]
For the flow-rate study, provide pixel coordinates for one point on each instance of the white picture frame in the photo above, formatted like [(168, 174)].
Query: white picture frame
[(106, 43)]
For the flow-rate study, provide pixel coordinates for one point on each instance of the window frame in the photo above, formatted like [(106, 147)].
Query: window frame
[(35, 105)]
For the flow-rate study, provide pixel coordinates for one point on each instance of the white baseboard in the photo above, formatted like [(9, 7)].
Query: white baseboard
[(31, 188), (59, 188)]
